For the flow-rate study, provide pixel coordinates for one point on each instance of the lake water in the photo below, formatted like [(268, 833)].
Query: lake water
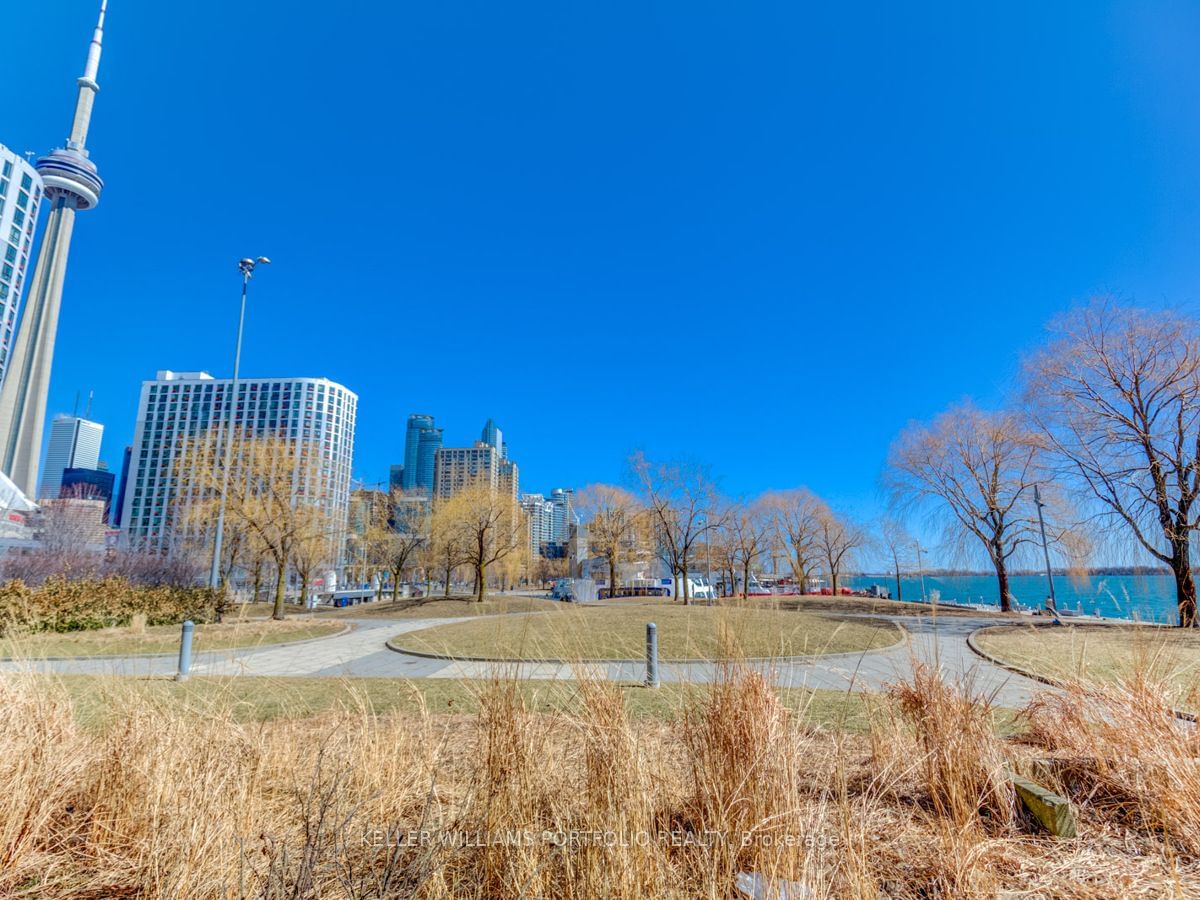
[(1148, 598)]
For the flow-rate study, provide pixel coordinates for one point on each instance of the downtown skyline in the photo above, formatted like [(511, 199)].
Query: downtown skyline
[(462, 278)]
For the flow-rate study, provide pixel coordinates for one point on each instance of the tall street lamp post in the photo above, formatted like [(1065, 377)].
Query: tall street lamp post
[(246, 267), (921, 569), (1037, 499)]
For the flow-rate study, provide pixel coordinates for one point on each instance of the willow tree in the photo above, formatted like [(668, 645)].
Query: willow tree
[(445, 550), (1116, 394), (484, 525), (615, 519), (975, 470), (270, 488)]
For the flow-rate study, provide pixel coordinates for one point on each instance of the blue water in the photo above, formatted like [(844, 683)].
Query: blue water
[(1148, 598)]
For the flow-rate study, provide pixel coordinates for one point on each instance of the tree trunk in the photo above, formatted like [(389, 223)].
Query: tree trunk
[(304, 588), (280, 584), (257, 580), (612, 577), (746, 580), (683, 585), (1002, 581), (480, 576), (449, 569), (899, 596), (396, 573), (833, 578), (1185, 585)]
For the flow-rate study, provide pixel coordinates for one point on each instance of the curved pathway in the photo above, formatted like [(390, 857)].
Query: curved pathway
[(362, 653)]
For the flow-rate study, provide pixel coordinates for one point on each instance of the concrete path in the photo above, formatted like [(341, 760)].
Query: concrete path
[(362, 653)]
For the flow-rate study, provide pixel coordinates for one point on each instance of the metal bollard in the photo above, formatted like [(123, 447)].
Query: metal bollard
[(185, 651), (651, 655)]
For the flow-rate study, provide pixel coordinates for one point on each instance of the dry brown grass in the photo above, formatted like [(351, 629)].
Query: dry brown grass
[(519, 802)]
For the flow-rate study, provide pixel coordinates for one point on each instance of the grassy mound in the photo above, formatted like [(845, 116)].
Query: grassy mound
[(1110, 654), (684, 632)]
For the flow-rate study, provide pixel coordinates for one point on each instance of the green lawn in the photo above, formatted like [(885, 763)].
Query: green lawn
[(1110, 653), (684, 632), (98, 700), (165, 638)]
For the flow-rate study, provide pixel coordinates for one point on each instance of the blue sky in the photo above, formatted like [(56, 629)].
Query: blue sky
[(763, 235)]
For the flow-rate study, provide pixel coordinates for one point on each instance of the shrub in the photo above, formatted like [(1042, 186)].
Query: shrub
[(61, 605)]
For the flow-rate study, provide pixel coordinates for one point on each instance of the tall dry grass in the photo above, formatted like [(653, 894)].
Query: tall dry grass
[(510, 802)]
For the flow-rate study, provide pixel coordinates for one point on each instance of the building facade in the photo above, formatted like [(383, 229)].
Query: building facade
[(177, 407), (563, 500), (20, 198), (539, 518), (462, 467), (74, 444)]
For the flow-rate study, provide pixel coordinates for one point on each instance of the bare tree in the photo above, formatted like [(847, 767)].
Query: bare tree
[(838, 538), (895, 541), (977, 469), (681, 501), (1116, 393), (614, 518), (795, 517), (749, 527), (408, 533)]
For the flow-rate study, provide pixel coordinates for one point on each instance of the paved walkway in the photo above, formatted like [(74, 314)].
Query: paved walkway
[(362, 653)]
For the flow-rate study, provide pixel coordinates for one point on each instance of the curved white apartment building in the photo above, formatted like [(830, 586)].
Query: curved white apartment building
[(20, 195), (316, 413)]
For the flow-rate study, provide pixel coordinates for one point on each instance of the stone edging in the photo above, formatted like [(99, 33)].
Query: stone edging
[(172, 653), (1034, 676), (812, 658)]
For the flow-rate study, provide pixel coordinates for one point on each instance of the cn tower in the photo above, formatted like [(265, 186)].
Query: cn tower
[(71, 184)]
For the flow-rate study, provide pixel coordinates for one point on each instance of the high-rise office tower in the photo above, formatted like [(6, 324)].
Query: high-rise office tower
[(70, 183), (494, 437), (20, 197), (428, 445), (74, 444), (122, 483), (417, 423), (315, 413)]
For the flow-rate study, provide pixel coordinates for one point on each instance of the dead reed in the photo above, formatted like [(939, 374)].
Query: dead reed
[(511, 802)]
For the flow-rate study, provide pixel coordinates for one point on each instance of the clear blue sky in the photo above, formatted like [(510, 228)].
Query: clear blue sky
[(761, 234)]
